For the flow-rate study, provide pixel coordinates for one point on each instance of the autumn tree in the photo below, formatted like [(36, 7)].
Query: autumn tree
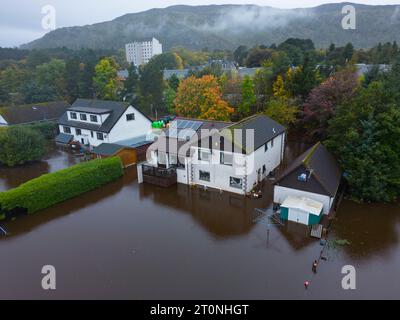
[(105, 80), (202, 98), (324, 99), (278, 88), (282, 110)]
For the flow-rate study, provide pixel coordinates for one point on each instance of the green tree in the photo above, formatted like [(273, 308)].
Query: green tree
[(249, 99), (174, 82), (19, 145), (105, 80), (47, 83), (303, 79), (170, 96), (131, 85), (365, 136), (240, 55)]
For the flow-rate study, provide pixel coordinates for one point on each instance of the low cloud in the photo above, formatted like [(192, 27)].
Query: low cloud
[(257, 18)]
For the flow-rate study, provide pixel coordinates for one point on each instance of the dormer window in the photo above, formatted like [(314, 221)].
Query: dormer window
[(73, 115), (93, 118), (83, 117)]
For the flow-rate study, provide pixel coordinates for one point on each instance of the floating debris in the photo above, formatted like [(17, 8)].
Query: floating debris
[(341, 243)]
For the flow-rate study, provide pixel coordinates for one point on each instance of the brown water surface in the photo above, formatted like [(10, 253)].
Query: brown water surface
[(135, 241)]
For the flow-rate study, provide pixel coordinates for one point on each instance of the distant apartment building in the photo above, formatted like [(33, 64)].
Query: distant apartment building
[(140, 52)]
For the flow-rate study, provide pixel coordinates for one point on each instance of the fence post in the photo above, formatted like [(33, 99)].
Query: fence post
[(140, 173)]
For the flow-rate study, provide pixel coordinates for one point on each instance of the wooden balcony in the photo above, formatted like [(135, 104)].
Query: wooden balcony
[(161, 177)]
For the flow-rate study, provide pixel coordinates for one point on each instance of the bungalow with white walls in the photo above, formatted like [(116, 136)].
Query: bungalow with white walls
[(313, 177), (93, 122), (233, 157)]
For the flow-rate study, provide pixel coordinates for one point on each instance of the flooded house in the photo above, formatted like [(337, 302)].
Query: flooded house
[(226, 156), (93, 122), (308, 188)]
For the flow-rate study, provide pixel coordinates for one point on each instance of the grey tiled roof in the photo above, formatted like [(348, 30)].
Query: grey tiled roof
[(48, 111), (116, 110), (265, 129), (323, 167)]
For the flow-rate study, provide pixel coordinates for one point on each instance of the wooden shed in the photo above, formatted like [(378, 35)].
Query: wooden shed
[(127, 154), (130, 155)]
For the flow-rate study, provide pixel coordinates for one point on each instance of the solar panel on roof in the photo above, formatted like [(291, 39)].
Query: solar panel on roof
[(183, 129)]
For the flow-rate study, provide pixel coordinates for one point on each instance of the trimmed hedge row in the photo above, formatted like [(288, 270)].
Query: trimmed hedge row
[(52, 188)]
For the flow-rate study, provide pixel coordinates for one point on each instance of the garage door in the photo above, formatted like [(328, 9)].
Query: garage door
[(298, 216)]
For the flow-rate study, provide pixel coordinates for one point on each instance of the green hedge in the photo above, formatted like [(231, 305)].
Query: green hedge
[(47, 129), (52, 188)]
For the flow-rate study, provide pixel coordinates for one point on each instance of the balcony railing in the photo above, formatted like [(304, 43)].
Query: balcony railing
[(159, 176)]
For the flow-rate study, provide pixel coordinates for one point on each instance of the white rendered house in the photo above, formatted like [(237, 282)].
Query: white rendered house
[(218, 160), (93, 122)]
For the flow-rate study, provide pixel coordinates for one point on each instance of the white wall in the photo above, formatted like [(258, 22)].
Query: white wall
[(130, 129), (271, 158), (281, 193), (220, 174), (3, 121), (122, 130)]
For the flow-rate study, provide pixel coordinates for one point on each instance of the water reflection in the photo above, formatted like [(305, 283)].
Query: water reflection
[(371, 229), (55, 160), (26, 224), (221, 214)]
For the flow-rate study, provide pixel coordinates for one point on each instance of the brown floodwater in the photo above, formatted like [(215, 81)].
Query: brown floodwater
[(130, 241)]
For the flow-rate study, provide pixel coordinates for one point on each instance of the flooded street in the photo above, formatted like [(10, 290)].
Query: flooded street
[(130, 241)]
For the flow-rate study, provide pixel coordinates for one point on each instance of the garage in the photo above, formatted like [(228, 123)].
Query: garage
[(301, 210)]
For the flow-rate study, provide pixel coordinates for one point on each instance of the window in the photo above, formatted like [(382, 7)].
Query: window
[(204, 175), (67, 129), (91, 134), (78, 132), (93, 118), (272, 143), (176, 162), (100, 136), (130, 117), (227, 159), (83, 116), (236, 183), (264, 169), (204, 155), (73, 115), (266, 147)]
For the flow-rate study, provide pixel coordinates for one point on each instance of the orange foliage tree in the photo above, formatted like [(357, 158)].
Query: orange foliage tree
[(202, 99)]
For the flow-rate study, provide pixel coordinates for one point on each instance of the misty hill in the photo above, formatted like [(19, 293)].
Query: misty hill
[(228, 26)]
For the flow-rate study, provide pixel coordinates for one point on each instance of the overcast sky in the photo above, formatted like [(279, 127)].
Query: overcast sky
[(20, 20)]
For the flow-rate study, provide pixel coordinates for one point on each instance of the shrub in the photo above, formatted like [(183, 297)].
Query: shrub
[(52, 188), (19, 145), (47, 129)]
